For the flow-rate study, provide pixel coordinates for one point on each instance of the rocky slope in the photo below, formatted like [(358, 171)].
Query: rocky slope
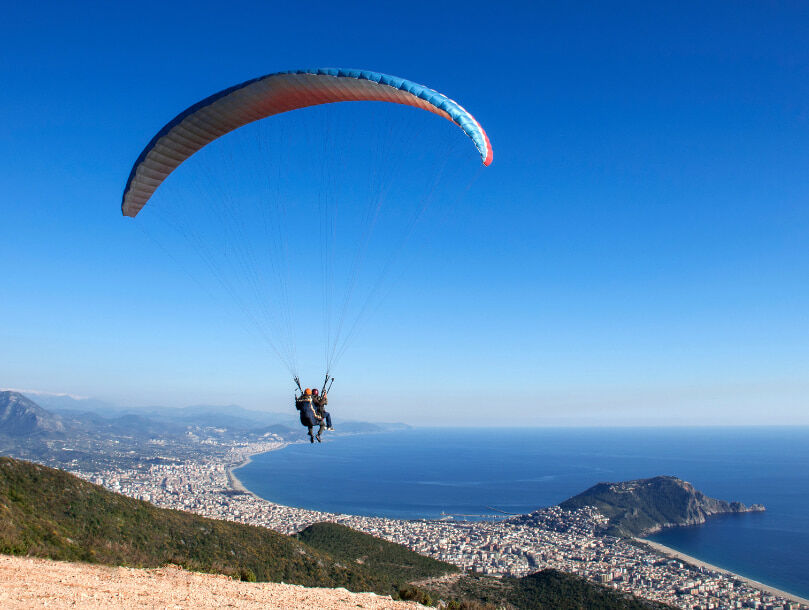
[(645, 506), (20, 416), (27, 583)]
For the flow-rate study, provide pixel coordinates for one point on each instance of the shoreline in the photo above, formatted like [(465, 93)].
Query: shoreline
[(675, 554), (236, 485), (234, 481)]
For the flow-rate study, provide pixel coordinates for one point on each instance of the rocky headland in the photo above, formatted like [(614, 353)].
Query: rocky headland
[(645, 506)]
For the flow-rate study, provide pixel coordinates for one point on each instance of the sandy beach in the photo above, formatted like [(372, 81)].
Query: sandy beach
[(234, 481), (670, 552)]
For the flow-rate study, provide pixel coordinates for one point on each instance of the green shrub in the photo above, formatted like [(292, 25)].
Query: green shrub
[(414, 594), (247, 575)]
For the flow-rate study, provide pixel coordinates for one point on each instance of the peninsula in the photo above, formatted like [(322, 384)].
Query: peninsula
[(643, 507)]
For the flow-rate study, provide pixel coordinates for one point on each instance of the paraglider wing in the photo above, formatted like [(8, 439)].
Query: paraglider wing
[(273, 94)]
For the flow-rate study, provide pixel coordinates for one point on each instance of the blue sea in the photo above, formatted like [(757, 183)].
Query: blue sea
[(432, 472)]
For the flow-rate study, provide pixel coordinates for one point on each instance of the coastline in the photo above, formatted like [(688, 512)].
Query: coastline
[(235, 484), (234, 481), (675, 554)]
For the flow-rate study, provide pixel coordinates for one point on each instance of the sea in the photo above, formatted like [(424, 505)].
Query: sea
[(486, 473)]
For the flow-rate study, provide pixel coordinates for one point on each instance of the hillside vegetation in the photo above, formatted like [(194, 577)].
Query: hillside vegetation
[(548, 589), (396, 561), (50, 513)]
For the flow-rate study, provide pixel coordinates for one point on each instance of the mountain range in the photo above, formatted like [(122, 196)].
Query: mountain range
[(230, 417)]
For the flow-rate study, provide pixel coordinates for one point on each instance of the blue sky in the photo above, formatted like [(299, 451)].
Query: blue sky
[(636, 254)]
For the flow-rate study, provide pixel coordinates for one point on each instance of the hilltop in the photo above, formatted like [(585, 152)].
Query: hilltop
[(20, 416), (644, 506), (26, 582), (357, 548), (50, 513)]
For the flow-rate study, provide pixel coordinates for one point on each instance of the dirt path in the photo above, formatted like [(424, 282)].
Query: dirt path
[(40, 583)]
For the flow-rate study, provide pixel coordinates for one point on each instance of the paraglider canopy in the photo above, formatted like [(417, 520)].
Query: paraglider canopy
[(281, 212), (273, 94)]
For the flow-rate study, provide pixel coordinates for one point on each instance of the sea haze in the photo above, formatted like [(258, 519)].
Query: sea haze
[(430, 472)]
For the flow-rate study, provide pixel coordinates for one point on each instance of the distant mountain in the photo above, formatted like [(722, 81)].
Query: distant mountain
[(644, 506), (95, 435), (364, 427), (101, 419), (21, 417), (278, 429), (65, 402), (207, 415), (229, 417)]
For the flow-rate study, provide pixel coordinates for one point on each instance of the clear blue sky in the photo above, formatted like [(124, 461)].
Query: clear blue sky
[(637, 252)]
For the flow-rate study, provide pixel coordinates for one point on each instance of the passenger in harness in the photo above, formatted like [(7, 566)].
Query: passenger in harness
[(320, 403)]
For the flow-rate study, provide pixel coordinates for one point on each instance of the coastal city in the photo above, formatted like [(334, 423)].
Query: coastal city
[(516, 546)]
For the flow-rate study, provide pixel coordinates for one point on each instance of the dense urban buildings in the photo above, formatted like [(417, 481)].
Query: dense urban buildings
[(551, 537)]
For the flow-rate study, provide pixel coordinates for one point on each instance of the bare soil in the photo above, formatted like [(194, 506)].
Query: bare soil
[(41, 583)]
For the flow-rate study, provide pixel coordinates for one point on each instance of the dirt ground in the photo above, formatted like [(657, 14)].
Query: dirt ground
[(41, 583)]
